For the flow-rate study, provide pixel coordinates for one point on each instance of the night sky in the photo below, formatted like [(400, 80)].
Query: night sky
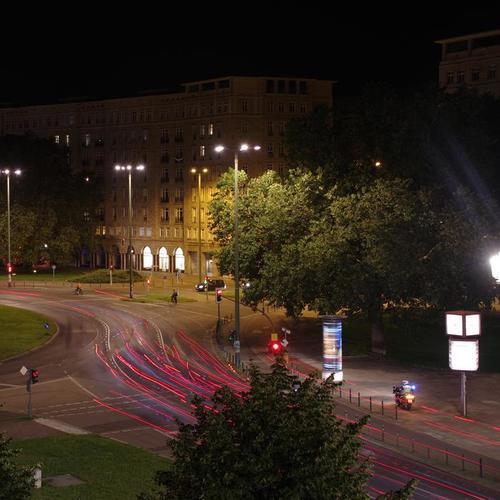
[(95, 53)]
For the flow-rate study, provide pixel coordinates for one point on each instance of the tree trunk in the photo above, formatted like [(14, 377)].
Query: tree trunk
[(376, 329)]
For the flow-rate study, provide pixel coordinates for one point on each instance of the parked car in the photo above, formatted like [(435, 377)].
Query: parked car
[(209, 285)]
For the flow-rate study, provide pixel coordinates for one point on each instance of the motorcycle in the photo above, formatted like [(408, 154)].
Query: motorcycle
[(404, 398)]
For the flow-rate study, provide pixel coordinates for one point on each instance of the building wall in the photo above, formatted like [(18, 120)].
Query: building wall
[(170, 134), (472, 61)]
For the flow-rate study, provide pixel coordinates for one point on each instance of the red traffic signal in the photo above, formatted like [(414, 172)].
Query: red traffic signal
[(34, 375), (10, 268), (275, 347), (218, 295)]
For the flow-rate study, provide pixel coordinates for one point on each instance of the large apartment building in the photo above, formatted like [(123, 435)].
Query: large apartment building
[(472, 61), (171, 134)]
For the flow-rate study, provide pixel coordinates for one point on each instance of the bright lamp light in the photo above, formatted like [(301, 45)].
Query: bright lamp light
[(464, 355), (495, 266)]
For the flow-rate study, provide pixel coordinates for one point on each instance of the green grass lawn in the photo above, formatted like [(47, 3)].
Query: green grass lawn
[(110, 470), (21, 330), (59, 275)]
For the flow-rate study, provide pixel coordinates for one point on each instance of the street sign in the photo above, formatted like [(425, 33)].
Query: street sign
[(236, 344), (284, 342), (53, 266), (23, 370)]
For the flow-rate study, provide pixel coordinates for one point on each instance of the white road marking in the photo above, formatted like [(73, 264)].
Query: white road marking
[(61, 426)]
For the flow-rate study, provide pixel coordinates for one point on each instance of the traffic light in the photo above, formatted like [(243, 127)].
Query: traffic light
[(218, 295), (34, 375), (10, 268), (275, 347)]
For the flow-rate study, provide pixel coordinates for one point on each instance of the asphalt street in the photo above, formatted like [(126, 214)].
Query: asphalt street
[(128, 370)]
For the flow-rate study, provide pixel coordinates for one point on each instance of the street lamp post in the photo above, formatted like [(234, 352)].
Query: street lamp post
[(236, 249), (129, 168), (194, 171), (7, 173)]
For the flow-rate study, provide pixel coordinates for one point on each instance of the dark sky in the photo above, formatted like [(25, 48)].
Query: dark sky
[(101, 51)]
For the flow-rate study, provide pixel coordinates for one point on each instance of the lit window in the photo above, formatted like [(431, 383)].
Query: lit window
[(57, 139)]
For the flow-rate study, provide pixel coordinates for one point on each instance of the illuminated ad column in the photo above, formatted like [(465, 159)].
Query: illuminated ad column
[(463, 329), (332, 348)]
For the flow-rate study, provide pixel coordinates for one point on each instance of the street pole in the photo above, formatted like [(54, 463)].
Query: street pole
[(199, 227), (8, 230), (463, 393), (131, 294), (236, 265)]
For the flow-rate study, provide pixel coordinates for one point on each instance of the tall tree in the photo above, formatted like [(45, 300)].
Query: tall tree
[(15, 481), (53, 208), (272, 442)]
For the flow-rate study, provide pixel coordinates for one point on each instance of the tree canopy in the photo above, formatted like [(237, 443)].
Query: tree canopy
[(366, 221), (52, 207), (15, 481), (272, 442)]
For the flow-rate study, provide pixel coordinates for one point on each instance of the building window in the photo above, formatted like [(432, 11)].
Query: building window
[(179, 195), (492, 72), (164, 136), (291, 107), (164, 175), (270, 150), (202, 130), (68, 139), (164, 157), (450, 77), (292, 87), (145, 214), (244, 127), (210, 129), (57, 139), (460, 77), (281, 107), (164, 195), (281, 86), (303, 87), (303, 108), (179, 215), (270, 86), (244, 106), (270, 128), (164, 215), (179, 174), (474, 75), (193, 215)]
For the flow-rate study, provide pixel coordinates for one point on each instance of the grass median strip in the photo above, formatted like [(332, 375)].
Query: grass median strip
[(109, 469), (22, 330)]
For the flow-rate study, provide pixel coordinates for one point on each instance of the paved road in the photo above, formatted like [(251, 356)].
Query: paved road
[(127, 370)]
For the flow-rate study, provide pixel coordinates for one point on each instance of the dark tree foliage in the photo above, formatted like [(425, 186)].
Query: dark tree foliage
[(50, 203), (268, 443), (15, 481)]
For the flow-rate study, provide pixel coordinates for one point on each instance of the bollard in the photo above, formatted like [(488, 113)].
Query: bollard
[(37, 476), (350, 396), (382, 402), (359, 400), (370, 404)]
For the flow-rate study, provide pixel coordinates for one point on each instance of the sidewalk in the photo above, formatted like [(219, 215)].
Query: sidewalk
[(436, 411)]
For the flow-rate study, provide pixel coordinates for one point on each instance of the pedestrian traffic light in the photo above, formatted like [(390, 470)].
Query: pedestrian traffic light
[(218, 295), (10, 268), (34, 375)]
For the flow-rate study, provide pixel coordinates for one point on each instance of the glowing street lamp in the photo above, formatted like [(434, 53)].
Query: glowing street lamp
[(195, 171), (7, 173), (129, 169), (495, 266), (242, 147)]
